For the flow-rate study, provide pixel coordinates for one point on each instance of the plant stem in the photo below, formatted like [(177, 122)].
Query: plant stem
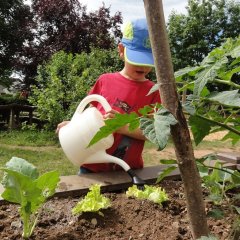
[(220, 124), (26, 220), (220, 169), (229, 83)]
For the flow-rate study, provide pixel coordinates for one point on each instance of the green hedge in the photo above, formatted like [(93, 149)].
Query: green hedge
[(6, 99)]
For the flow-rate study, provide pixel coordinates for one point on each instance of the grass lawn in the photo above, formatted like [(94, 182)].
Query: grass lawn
[(42, 149)]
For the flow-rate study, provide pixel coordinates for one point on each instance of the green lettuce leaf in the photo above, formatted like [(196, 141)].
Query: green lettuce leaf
[(152, 193), (92, 202)]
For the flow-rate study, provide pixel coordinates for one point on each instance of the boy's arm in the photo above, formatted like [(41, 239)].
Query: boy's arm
[(137, 133)]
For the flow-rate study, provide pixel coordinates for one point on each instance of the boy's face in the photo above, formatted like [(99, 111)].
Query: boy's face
[(134, 72), (137, 73)]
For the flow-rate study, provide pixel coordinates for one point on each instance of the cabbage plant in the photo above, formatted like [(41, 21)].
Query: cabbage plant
[(24, 186)]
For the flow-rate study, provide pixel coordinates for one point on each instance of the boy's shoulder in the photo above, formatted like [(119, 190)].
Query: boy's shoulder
[(108, 75)]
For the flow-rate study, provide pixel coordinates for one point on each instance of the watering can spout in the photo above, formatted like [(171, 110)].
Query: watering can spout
[(136, 180), (103, 157)]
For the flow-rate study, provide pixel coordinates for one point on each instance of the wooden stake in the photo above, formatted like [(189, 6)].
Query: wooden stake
[(179, 132)]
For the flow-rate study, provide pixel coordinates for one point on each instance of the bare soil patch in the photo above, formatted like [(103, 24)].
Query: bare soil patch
[(126, 219)]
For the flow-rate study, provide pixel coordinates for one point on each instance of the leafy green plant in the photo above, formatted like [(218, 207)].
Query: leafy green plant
[(152, 193), (24, 186), (217, 179), (212, 87), (94, 201), (26, 126)]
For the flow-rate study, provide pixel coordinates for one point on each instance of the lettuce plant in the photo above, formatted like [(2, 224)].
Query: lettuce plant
[(152, 193), (24, 186), (92, 202)]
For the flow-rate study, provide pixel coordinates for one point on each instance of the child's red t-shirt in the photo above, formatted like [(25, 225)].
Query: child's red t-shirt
[(125, 96)]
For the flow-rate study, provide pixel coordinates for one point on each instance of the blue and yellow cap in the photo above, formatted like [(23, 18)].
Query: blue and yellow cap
[(137, 45)]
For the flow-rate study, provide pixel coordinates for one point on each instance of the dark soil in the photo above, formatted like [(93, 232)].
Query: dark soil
[(127, 219)]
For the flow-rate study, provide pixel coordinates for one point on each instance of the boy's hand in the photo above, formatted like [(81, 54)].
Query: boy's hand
[(110, 114), (124, 130), (60, 125)]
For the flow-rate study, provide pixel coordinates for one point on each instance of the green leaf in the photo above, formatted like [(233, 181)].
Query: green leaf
[(166, 161), (199, 127), (216, 214), (22, 166), (233, 136), (48, 183), (207, 74), (237, 209), (154, 89), (18, 187), (152, 193), (227, 98), (92, 202), (165, 173), (145, 110), (227, 75), (191, 71), (236, 177), (157, 130), (217, 175), (189, 107), (235, 53), (203, 170), (111, 125)]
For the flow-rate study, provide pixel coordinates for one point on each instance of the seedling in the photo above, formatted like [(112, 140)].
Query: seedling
[(24, 186), (217, 179), (154, 194), (94, 201)]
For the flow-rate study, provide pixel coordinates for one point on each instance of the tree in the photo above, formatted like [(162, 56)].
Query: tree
[(65, 25), (204, 27), (14, 32)]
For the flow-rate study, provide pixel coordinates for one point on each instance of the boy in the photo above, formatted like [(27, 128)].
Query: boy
[(126, 91)]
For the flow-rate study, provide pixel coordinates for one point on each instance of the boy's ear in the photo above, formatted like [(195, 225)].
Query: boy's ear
[(121, 51)]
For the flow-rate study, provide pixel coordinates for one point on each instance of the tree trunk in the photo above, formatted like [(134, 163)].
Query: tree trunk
[(179, 132)]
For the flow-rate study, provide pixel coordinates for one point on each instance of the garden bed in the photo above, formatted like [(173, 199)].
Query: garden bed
[(126, 219)]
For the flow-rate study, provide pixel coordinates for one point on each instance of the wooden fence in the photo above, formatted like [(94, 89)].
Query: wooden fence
[(10, 114)]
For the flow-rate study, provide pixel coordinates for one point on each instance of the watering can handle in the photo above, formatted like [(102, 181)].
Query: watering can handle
[(93, 98)]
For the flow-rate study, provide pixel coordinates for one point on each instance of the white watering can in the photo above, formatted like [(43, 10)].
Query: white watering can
[(77, 134)]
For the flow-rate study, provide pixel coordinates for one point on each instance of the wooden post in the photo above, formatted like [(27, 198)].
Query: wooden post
[(30, 116), (11, 118), (179, 132)]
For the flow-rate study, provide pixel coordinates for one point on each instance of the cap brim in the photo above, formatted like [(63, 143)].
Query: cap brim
[(139, 58)]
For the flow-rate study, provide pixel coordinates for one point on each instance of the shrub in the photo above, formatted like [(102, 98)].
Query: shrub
[(65, 80)]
